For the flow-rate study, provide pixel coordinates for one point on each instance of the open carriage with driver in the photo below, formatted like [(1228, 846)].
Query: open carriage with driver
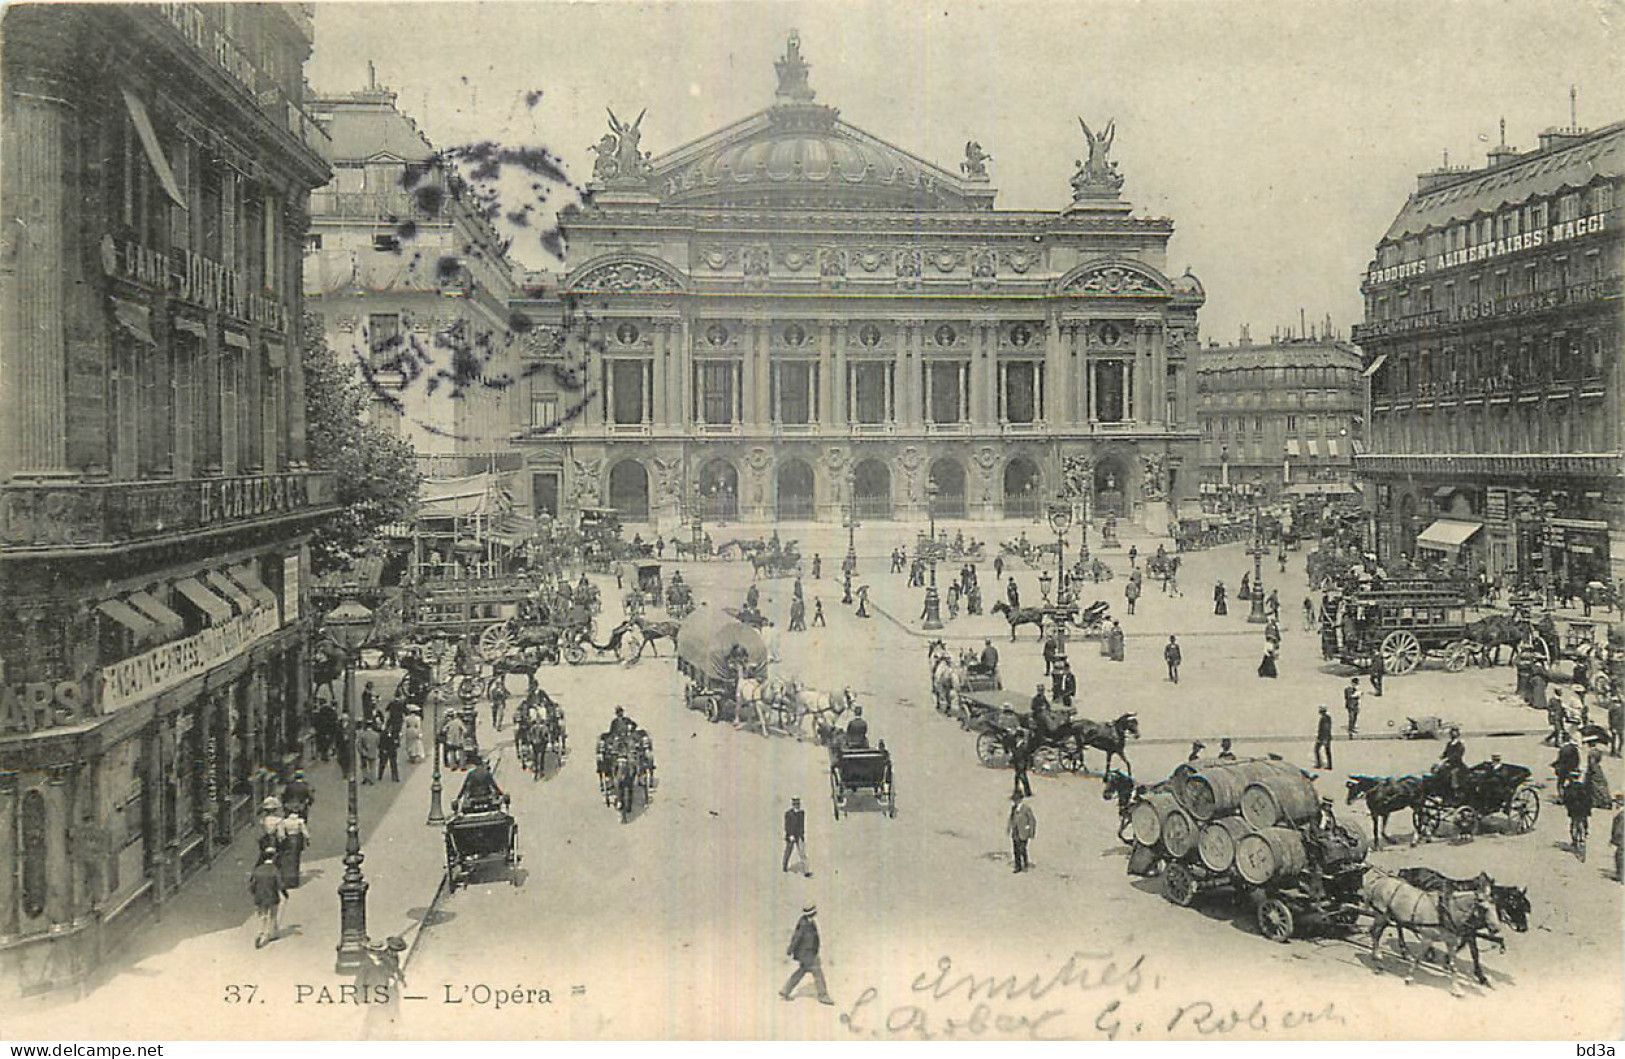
[(540, 732), (481, 832), (858, 771), (1471, 794), (626, 765), (1055, 739)]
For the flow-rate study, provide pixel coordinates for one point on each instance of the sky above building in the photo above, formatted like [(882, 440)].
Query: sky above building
[(1280, 137)]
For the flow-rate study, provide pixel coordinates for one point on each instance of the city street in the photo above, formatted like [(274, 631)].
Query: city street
[(674, 924)]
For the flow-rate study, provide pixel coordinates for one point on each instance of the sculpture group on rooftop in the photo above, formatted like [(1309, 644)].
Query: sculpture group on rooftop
[(618, 154), (1098, 176)]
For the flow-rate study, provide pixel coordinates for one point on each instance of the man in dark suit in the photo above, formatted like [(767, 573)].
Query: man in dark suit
[(795, 835), (1323, 739), (804, 947)]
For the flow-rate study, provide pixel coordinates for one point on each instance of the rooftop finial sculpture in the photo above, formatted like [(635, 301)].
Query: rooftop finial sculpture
[(792, 70)]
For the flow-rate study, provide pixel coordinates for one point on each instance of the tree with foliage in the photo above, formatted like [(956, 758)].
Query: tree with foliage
[(375, 472)]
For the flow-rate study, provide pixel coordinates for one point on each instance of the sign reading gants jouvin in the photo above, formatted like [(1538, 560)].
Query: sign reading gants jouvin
[(194, 279), (172, 664)]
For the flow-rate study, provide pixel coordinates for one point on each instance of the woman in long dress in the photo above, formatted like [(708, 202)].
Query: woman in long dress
[(412, 735), (1266, 668), (292, 835), (1218, 599)]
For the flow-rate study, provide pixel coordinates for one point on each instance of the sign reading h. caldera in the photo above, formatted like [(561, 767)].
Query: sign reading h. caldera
[(1472, 255), (193, 279)]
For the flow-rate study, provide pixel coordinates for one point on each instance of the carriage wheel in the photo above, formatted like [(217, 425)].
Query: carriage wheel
[(1275, 919), (891, 797), (1457, 656), (1179, 883), (1071, 755), (1541, 649), (495, 641), (1524, 809), (990, 752), (835, 793), (575, 654), (1401, 652), (1467, 821)]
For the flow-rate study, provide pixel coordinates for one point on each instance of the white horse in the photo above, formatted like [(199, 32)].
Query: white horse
[(947, 678), (1448, 920), (762, 695), (824, 708)]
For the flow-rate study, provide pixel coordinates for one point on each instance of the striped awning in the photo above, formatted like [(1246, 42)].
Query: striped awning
[(169, 623), (145, 630), (216, 609), (228, 588), (244, 575)]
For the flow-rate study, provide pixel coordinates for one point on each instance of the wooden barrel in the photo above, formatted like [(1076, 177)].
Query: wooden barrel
[(1274, 854), (1287, 798), (1216, 842), (1215, 790), (1178, 832), (1146, 817)]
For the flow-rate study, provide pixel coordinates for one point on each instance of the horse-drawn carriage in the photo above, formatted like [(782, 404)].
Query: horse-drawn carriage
[(1056, 740), (540, 732), (477, 835), (1400, 621), (714, 651), (860, 770), (646, 580), (626, 765), (679, 598), (776, 561), (1465, 798)]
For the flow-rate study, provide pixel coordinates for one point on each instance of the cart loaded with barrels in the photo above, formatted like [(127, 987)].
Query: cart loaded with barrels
[(1254, 829)]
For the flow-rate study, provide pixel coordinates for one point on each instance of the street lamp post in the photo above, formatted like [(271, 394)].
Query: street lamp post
[(1256, 615), (1548, 512), (1060, 520), (348, 625), (933, 604)]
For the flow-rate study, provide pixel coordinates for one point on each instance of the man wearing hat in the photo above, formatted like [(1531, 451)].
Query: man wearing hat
[(381, 972), (804, 950), (265, 883), (1226, 753), (1323, 739), (1063, 683), (1022, 827), (297, 795), (1197, 746), (1351, 704), (795, 836), (1173, 656)]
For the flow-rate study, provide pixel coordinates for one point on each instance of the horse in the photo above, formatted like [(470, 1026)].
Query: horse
[(947, 678), (655, 630), (823, 708), (1495, 632), (1112, 738), (1512, 904), (691, 549), (1020, 616), (1448, 919), (1384, 797), (626, 783)]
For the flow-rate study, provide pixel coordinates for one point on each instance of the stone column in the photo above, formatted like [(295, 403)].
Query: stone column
[(827, 380), (661, 338), (1057, 394), (682, 367), (58, 869), (908, 361), (844, 412), (36, 139), (10, 854)]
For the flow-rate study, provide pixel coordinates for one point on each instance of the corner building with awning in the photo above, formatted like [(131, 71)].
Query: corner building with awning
[(1492, 341), (156, 500), (792, 317)]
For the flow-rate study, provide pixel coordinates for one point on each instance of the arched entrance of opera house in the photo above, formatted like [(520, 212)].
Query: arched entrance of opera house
[(719, 490), (1023, 489), (950, 478), (871, 490), (1111, 487), (795, 491), (629, 491)]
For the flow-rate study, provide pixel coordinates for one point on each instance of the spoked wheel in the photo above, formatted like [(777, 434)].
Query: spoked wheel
[(1275, 919), (1467, 821), (1401, 652), (495, 641), (1179, 883), (1458, 656), (835, 793), (991, 752), (1542, 650), (575, 654), (1524, 809), (891, 798)]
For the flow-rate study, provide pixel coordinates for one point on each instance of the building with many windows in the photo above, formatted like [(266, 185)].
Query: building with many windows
[(155, 500), (791, 316), (1280, 417), (1492, 340), (410, 279)]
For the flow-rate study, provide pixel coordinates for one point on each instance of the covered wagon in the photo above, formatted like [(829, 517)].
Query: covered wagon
[(713, 652)]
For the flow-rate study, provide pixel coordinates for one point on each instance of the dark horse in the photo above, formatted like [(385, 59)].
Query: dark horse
[(1020, 616), (1384, 797), (1495, 632), (1112, 738), (655, 630), (1512, 905)]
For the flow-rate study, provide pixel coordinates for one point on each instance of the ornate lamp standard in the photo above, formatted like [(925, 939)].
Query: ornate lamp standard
[(348, 626), (1060, 520), (933, 604), (1548, 512), (1256, 615)]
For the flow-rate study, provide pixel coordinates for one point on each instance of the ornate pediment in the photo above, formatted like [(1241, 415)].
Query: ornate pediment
[(625, 275), (1114, 279)]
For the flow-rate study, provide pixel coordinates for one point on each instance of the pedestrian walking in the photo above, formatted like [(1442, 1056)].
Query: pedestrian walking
[(383, 980), (1556, 716), (798, 615), (1273, 605), (1567, 763), (325, 724), (1267, 667), (389, 748), (1323, 739), (1021, 759), (998, 568), (1577, 800), (292, 837), (412, 735), (1375, 673), (817, 567), (1226, 750), (1013, 594), (1616, 724), (366, 743), (265, 884), (795, 837), (1618, 840), (369, 703), (1131, 592), (1114, 642), (818, 613), (1133, 556), (804, 949), (453, 735), (1351, 705), (1173, 656), (1219, 607), (297, 795), (1064, 683), (1022, 827), (1272, 634), (1308, 614), (270, 823)]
